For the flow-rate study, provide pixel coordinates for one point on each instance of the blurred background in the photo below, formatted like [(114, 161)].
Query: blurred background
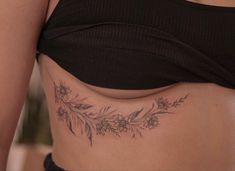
[(32, 139)]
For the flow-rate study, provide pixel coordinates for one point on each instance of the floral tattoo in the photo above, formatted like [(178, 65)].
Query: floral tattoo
[(76, 113)]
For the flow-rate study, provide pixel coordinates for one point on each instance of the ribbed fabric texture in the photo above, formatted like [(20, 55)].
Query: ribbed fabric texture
[(142, 44)]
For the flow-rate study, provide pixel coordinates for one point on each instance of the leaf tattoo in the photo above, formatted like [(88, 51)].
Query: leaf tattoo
[(88, 131), (76, 114)]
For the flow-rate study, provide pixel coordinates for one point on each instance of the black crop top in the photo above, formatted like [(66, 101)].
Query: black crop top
[(141, 44)]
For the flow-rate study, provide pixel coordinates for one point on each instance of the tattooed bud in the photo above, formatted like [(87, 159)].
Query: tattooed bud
[(163, 103), (62, 91), (121, 123), (151, 122), (62, 113), (102, 127)]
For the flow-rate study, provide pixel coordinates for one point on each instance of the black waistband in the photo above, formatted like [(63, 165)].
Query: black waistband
[(49, 164)]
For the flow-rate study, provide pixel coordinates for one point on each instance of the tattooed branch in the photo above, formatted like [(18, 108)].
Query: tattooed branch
[(75, 113)]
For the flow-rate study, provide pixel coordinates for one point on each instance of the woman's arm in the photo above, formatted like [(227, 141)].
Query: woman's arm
[(20, 25)]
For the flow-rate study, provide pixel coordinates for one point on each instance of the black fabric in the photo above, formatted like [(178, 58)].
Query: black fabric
[(49, 164), (141, 44)]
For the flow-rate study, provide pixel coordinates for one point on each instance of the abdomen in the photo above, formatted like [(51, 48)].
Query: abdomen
[(186, 127)]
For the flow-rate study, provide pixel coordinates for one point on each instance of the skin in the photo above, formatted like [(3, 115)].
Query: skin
[(195, 135), (192, 128), (21, 23), (224, 3)]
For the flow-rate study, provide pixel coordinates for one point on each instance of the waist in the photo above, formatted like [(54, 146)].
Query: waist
[(197, 134)]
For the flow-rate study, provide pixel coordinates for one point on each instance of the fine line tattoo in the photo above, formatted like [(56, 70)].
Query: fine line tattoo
[(76, 114)]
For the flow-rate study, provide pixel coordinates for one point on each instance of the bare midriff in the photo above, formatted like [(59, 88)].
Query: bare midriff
[(222, 3), (185, 126)]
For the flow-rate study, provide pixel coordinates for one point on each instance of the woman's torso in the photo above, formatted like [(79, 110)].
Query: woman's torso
[(197, 136), (188, 126)]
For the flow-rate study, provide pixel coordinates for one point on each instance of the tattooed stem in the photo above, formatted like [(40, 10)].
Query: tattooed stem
[(76, 113)]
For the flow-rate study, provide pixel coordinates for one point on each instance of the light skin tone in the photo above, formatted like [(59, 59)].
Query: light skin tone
[(225, 3), (204, 121), (18, 37), (188, 117)]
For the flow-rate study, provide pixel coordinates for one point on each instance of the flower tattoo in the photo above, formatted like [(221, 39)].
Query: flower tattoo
[(76, 114)]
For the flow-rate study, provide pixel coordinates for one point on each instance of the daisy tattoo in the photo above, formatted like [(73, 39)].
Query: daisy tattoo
[(77, 115)]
